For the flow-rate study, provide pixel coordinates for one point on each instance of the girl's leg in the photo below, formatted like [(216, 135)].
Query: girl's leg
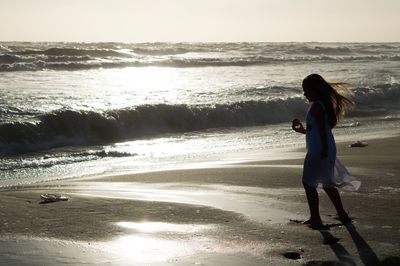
[(337, 202), (313, 204)]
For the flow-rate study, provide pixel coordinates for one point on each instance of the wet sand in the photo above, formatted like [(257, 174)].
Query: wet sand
[(233, 214)]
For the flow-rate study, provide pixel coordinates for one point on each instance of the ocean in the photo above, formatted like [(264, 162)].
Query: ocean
[(69, 110)]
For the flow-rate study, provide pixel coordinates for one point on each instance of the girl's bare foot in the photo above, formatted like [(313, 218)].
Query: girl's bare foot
[(315, 224)]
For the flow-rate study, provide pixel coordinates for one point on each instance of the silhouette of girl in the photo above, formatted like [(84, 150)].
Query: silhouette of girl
[(328, 105)]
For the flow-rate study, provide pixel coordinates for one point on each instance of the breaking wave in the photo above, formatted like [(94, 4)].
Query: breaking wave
[(49, 160), (74, 127), (71, 127)]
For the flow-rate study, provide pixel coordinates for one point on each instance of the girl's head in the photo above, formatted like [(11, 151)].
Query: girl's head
[(333, 95), (315, 87)]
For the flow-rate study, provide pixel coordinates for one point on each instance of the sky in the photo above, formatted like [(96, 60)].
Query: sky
[(200, 20)]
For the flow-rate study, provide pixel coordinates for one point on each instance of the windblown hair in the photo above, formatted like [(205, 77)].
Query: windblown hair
[(334, 95)]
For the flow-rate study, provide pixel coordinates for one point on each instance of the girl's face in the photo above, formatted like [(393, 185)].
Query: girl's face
[(310, 95)]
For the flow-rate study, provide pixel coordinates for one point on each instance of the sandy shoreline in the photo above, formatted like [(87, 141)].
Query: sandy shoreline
[(237, 214)]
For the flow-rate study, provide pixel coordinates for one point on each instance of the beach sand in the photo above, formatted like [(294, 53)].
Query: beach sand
[(228, 214)]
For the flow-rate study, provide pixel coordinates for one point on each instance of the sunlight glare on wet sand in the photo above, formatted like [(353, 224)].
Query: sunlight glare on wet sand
[(146, 249), (146, 246), (155, 227), (158, 242)]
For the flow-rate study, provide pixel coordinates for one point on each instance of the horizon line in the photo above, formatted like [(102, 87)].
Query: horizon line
[(138, 42)]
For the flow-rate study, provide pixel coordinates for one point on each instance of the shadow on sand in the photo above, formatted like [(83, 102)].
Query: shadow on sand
[(366, 253)]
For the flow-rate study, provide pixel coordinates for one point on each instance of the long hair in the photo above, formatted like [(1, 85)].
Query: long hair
[(334, 95)]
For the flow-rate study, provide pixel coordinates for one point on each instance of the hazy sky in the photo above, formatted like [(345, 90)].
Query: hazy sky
[(199, 20)]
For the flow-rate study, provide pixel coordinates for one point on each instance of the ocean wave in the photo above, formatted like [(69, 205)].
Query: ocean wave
[(383, 95), (103, 154), (79, 56), (164, 51), (70, 63), (70, 127), (74, 52), (160, 49), (9, 58), (68, 66), (268, 91), (76, 128), (347, 125), (54, 158), (60, 58), (336, 50), (4, 48)]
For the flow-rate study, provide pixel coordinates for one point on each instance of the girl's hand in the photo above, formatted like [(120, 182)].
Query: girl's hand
[(298, 126)]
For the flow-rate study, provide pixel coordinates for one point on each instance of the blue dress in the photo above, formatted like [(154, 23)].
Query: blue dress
[(316, 170)]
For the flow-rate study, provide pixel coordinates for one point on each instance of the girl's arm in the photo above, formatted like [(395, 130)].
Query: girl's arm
[(319, 113)]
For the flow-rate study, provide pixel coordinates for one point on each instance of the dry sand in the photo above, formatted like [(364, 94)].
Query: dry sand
[(237, 214)]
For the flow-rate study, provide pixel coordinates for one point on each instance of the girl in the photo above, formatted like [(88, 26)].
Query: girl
[(327, 106)]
